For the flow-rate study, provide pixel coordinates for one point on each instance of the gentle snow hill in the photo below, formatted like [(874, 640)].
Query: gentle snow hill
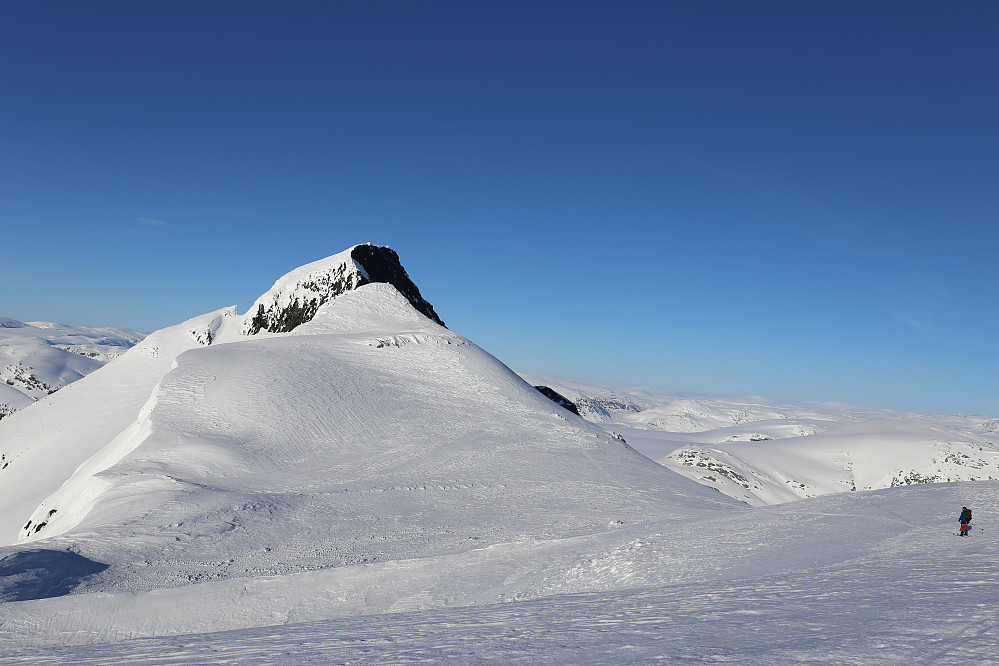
[(39, 358), (299, 472), (762, 452)]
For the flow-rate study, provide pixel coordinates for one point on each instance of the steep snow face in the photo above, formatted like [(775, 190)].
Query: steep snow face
[(39, 358), (296, 298)]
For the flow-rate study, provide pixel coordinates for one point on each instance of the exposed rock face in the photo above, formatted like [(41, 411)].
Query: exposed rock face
[(558, 399), (290, 308), (295, 298), (382, 265)]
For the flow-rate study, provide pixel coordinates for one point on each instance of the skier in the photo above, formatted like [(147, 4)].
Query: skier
[(964, 520)]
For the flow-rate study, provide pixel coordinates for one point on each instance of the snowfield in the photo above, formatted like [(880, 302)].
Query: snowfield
[(335, 477), (856, 578)]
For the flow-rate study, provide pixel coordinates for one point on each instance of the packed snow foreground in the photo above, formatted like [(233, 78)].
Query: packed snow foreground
[(336, 476)]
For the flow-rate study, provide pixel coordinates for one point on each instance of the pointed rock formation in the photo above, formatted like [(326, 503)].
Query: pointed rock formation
[(296, 297)]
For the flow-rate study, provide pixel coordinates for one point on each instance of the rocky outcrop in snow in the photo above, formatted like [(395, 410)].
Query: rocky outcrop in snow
[(558, 399), (296, 297)]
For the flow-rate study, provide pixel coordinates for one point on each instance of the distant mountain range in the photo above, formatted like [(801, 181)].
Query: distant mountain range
[(762, 452), (39, 358)]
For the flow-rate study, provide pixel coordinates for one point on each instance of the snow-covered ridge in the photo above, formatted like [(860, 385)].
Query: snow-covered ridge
[(50, 443), (296, 297)]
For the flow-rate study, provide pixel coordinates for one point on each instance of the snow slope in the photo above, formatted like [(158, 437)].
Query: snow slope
[(762, 452), (40, 358)]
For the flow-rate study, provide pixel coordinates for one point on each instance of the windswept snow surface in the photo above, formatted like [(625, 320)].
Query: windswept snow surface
[(79, 431), (856, 578), (761, 452)]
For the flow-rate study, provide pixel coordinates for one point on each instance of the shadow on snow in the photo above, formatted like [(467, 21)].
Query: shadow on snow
[(40, 574)]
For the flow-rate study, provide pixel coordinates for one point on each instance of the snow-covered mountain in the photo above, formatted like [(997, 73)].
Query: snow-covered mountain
[(216, 450), (336, 477), (39, 358), (762, 452)]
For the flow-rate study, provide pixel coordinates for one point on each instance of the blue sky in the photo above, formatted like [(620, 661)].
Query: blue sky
[(788, 199)]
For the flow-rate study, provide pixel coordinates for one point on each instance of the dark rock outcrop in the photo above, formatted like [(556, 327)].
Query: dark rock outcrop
[(558, 399), (377, 264), (382, 265)]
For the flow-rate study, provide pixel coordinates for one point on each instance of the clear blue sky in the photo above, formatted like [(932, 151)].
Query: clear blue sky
[(789, 199)]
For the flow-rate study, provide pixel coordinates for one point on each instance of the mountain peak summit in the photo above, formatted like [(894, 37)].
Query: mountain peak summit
[(295, 297)]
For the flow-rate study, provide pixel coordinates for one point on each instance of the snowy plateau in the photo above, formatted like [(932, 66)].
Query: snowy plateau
[(336, 477)]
